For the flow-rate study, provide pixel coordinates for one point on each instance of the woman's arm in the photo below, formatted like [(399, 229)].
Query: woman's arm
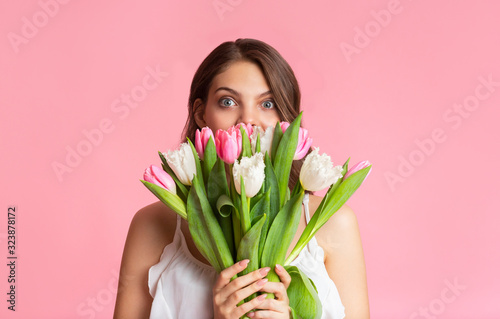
[(345, 262), (150, 231)]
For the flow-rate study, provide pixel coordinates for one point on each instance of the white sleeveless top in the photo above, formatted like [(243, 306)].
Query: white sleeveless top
[(181, 285)]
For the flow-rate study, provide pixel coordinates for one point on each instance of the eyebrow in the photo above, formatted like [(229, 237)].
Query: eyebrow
[(238, 94)]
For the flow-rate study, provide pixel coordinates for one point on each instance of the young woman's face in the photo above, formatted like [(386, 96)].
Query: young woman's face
[(239, 94)]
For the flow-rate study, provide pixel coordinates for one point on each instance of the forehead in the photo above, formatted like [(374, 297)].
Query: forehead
[(242, 76)]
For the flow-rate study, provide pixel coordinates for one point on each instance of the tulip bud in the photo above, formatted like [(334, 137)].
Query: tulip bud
[(159, 177), (182, 162), (266, 139), (284, 126), (201, 139), (357, 167), (248, 128), (317, 172), (228, 144), (303, 144), (304, 141), (252, 171)]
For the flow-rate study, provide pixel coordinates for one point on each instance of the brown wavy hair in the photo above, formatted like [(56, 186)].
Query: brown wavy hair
[(278, 73)]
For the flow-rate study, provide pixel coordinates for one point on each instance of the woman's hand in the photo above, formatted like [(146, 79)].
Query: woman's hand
[(278, 307), (227, 294)]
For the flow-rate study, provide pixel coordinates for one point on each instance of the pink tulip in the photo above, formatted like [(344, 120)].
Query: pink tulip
[(357, 167), (248, 128), (159, 177), (284, 126), (228, 144), (303, 144), (201, 140)]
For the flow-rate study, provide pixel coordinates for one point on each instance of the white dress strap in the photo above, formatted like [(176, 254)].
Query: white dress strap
[(312, 244), (178, 231), (305, 201), (178, 224)]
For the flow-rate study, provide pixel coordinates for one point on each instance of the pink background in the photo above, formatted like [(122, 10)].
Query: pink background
[(428, 214)]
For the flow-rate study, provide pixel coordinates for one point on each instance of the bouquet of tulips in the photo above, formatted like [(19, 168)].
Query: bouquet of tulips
[(233, 191)]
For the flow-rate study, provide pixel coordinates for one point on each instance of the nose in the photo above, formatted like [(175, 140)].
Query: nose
[(249, 115)]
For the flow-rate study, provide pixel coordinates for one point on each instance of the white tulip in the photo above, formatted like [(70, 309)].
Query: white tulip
[(252, 170), (318, 172), (182, 162), (266, 139)]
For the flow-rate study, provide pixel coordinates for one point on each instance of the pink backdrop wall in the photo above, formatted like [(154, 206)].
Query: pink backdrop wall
[(413, 86)]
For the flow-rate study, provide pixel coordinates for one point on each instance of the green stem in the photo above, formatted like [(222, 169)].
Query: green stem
[(272, 277), (245, 217), (295, 252)]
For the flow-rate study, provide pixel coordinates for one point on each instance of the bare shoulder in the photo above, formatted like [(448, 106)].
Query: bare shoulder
[(339, 237), (343, 222), (154, 223), (151, 229)]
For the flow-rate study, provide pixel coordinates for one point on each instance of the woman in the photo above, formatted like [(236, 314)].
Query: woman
[(163, 275)]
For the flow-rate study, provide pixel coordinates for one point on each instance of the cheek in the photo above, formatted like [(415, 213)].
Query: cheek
[(271, 119), (218, 119)]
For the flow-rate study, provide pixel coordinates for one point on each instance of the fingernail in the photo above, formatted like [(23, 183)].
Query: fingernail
[(251, 314), (244, 262), (264, 271), (262, 282), (279, 268), (262, 297)]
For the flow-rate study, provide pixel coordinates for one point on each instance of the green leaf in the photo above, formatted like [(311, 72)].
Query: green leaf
[(297, 189), (224, 205), (303, 296), (217, 183), (342, 193), (249, 248), (244, 210), (205, 230), (271, 184), (209, 158), (344, 167), (199, 230), (235, 216), (171, 200), (294, 315), (284, 156), (278, 134), (181, 187), (199, 171), (253, 201), (260, 207), (257, 144), (334, 199), (249, 244), (246, 148), (266, 208), (281, 234), (333, 187)]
